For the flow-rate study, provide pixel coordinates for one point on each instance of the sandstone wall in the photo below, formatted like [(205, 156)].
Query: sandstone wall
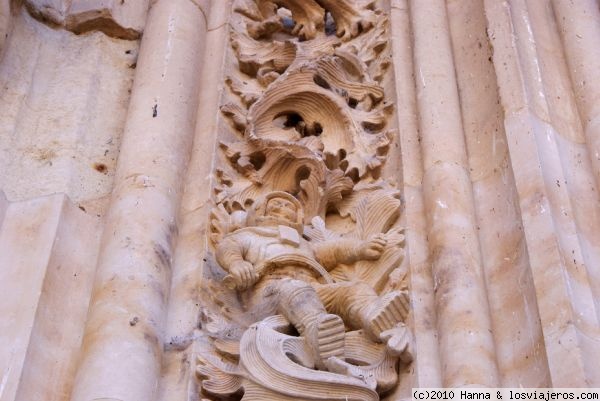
[(109, 136)]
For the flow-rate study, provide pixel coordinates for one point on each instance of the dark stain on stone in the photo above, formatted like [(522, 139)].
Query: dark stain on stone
[(178, 343), (164, 256), (173, 230), (184, 368), (101, 168)]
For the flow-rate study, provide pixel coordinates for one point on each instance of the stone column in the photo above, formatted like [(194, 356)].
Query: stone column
[(427, 363), (123, 342), (580, 203), (189, 255), (48, 247), (564, 296), (579, 25), (466, 343), (520, 353)]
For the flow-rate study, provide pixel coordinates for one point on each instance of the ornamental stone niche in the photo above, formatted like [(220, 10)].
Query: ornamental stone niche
[(316, 300), (297, 199)]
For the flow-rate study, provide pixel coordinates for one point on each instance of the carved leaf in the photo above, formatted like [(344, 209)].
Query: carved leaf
[(372, 49), (257, 58), (308, 114), (306, 104), (247, 90), (376, 212), (219, 223), (267, 166), (218, 377), (351, 17), (236, 115), (317, 231)]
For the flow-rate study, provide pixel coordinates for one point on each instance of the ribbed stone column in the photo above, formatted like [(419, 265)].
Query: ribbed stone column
[(575, 110), (581, 201), (579, 25), (465, 333), (48, 248), (523, 52), (520, 352), (427, 363), (123, 342)]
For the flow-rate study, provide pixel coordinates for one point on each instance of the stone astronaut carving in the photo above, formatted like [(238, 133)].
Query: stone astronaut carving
[(317, 299), (288, 275)]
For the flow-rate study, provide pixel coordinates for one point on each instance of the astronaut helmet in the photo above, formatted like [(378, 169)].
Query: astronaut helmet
[(277, 208)]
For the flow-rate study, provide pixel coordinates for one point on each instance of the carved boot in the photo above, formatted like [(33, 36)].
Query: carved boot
[(385, 313), (325, 334)]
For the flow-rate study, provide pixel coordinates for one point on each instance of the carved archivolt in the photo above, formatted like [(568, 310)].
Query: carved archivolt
[(306, 296)]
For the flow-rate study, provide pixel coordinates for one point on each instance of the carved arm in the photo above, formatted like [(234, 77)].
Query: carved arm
[(348, 251), (230, 255)]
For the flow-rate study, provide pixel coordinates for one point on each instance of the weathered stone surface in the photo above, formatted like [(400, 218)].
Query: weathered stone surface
[(48, 249), (117, 18), (297, 199), (5, 22), (64, 102)]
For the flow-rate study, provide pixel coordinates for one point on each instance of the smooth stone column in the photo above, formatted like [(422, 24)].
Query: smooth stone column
[(465, 332), (190, 254), (123, 342)]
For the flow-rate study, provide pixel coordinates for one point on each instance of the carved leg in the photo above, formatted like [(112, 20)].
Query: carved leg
[(385, 313), (360, 306), (325, 333), (348, 300)]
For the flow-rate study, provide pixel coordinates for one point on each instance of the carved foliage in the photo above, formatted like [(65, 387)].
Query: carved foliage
[(305, 113)]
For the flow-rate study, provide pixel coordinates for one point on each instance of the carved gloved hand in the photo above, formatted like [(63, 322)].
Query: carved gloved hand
[(244, 274), (372, 249)]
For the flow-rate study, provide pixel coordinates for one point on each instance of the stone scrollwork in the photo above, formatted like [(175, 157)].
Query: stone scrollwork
[(308, 295)]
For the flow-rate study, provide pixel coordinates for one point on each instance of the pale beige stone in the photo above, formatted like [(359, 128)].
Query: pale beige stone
[(582, 204), (48, 248), (189, 252), (451, 143), (427, 369), (5, 22), (464, 324), (521, 357), (124, 330), (579, 24), (563, 287), (117, 18), (71, 142), (304, 138)]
